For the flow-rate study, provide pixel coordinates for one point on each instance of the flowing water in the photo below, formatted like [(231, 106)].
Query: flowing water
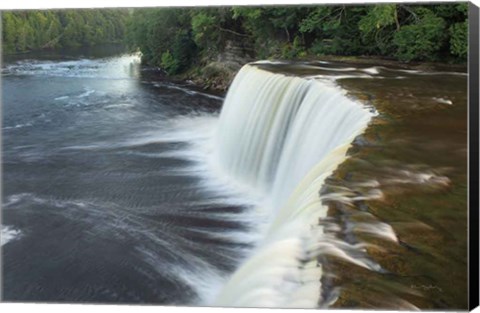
[(122, 186), (105, 193)]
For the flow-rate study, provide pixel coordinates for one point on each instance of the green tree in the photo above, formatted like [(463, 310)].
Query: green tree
[(459, 39), (403, 31), (421, 40), (32, 30), (204, 27), (379, 26)]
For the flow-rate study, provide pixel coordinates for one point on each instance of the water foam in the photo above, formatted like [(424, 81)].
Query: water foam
[(281, 137), (9, 234), (109, 68)]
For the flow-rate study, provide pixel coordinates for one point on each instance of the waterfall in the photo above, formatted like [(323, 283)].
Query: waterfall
[(280, 137)]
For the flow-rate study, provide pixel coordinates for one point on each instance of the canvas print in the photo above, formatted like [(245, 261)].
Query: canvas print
[(303, 156)]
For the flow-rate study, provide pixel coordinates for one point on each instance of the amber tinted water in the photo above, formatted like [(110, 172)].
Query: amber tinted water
[(407, 174), (415, 156)]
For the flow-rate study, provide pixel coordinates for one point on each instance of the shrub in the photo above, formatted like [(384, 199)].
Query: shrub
[(169, 64)]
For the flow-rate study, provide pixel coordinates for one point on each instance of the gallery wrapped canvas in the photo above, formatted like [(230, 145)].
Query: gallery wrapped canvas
[(253, 156)]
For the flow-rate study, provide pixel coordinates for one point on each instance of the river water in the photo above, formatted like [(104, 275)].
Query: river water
[(103, 198), (110, 194)]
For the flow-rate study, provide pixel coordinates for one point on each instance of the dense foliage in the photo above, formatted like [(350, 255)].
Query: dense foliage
[(34, 30), (176, 39)]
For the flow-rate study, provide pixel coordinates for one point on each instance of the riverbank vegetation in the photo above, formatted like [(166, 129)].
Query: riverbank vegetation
[(178, 39), (181, 40), (41, 29)]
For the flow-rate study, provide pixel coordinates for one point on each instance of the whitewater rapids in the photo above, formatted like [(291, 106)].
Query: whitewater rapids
[(279, 137)]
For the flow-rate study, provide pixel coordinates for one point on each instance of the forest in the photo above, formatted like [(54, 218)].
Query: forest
[(176, 39), (46, 29), (179, 39)]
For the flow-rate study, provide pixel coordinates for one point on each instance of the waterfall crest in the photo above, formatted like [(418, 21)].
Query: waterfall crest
[(281, 137)]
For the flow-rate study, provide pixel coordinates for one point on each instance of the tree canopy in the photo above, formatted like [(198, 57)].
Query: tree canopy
[(40, 29), (176, 39)]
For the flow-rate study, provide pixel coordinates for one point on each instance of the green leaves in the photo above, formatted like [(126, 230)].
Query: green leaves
[(378, 26), (204, 28), (459, 39), (406, 32), (164, 36), (378, 17), (31, 30), (421, 41), (169, 64), (317, 19)]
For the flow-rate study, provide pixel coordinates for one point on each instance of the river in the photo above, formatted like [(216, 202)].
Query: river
[(112, 191), (102, 198)]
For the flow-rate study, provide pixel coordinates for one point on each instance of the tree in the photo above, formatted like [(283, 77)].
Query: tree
[(402, 31), (32, 30), (421, 40), (204, 28), (459, 39), (379, 26)]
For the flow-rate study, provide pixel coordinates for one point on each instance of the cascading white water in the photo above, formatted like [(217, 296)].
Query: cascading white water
[(281, 137)]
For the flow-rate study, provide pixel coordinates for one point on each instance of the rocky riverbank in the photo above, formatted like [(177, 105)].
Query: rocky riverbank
[(217, 75)]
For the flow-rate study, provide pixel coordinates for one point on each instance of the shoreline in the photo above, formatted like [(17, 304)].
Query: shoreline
[(217, 76)]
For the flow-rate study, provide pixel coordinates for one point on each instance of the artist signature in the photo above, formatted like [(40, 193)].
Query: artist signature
[(427, 287)]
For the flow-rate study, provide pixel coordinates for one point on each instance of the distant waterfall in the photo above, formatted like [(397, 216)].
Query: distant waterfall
[(281, 137)]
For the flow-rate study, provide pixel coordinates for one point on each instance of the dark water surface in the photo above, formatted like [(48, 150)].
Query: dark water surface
[(103, 199)]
